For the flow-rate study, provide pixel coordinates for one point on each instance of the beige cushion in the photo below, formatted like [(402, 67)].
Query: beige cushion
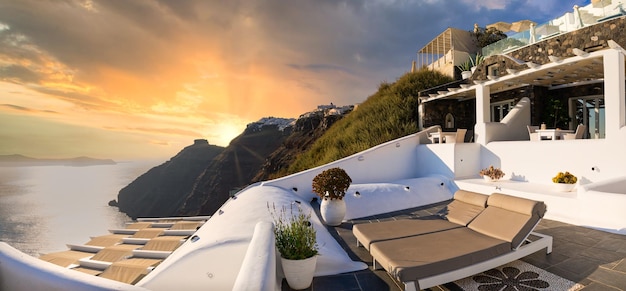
[(465, 207), (368, 233), (508, 218), (417, 257), (470, 197), (517, 204)]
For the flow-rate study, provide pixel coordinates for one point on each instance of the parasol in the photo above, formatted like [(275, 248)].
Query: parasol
[(521, 25)]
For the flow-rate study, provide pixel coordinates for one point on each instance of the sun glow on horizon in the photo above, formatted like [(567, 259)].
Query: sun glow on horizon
[(146, 78)]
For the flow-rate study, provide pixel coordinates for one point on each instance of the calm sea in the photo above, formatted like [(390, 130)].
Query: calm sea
[(43, 208)]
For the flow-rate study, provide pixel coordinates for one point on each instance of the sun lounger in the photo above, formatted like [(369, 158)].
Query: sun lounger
[(129, 271), (106, 240), (461, 211), (148, 233), (497, 235), (115, 253), (65, 258), (164, 243), (89, 271), (139, 225)]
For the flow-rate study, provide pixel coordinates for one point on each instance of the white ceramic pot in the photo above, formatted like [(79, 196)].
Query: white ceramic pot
[(489, 179), (333, 211), (299, 273), (466, 74), (563, 187)]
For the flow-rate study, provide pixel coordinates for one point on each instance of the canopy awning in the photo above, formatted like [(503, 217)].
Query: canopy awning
[(587, 67)]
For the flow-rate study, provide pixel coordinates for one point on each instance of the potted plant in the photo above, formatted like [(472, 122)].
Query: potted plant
[(466, 68), (564, 182), (296, 243), (491, 174), (477, 61), (331, 186)]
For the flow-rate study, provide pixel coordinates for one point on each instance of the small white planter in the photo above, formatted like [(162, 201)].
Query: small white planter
[(299, 273), (563, 187), (466, 74), (333, 211), (489, 179)]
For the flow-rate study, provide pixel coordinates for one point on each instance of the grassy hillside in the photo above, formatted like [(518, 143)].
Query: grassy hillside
[(388, 114)]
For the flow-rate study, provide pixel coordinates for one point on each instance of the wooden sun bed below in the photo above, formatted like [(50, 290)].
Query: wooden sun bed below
[(129, 253), (129, 271), (65, 258)]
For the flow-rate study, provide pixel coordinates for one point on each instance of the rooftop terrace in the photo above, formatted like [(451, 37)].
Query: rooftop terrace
[(592, 258)]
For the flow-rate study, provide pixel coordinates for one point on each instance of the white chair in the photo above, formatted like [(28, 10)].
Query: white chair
[(437, 138), (459, 137), (532, 132), (580, 131)]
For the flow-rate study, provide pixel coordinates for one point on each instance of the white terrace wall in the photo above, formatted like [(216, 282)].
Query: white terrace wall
[(539, 161), (591, 160), (454, 160), (390, 161)]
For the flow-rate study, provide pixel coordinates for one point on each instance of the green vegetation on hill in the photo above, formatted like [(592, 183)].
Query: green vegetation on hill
[(388, 114)]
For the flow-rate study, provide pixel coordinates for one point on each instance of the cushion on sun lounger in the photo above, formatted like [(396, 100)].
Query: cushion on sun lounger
[(421, 256), (368, 233), (508, 218), (465, 207)]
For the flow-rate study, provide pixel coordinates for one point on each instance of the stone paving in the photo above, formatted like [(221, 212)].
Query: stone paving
[(593, 258)]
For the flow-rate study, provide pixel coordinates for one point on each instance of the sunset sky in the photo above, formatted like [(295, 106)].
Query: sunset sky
[(143, 79)]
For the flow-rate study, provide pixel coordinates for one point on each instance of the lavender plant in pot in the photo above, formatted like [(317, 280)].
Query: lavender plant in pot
[(297, 244)]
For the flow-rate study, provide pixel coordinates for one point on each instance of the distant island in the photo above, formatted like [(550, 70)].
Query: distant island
[(24, 161)]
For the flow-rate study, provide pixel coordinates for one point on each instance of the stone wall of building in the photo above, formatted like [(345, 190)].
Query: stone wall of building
[(590, 38), (464, 113)]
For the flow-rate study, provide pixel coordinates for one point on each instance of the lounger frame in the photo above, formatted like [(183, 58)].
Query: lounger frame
[(531, 246)]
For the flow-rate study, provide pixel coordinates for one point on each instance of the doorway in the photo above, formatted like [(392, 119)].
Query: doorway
[(589, 111)]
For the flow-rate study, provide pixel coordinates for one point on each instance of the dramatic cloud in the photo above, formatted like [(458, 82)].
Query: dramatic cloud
[(209, 67)]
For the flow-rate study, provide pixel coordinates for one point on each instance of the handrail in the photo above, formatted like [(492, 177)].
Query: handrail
[(258, 270)]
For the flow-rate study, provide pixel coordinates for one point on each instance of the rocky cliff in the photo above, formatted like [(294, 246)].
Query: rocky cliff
[(162, 190), (234, 168), (264, 149), (254, 156)]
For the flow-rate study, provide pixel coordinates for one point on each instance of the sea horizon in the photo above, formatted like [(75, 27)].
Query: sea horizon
[(43, 208)]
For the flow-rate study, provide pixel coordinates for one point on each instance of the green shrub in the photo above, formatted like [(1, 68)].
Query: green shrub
[(388, 114)]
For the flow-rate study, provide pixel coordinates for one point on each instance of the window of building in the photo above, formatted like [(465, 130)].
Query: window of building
[(500, 109), (493, 69)]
